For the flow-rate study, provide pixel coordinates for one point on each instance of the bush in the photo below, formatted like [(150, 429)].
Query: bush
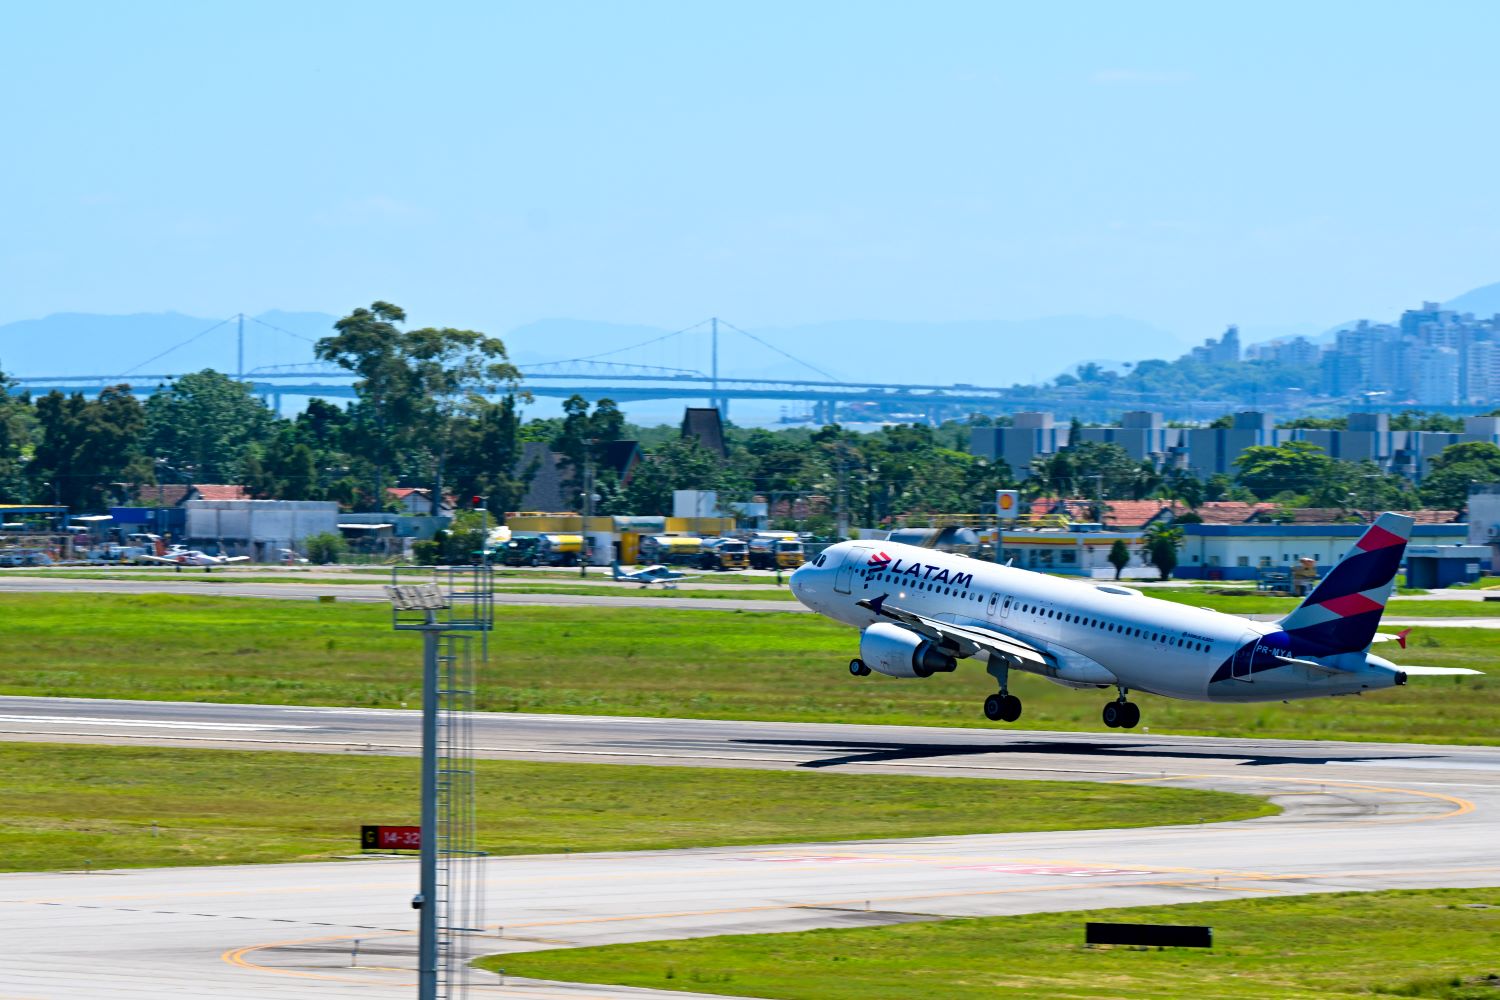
[(426, 552), (325, 547)]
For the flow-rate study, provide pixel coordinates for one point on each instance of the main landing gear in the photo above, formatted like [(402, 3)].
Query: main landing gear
[(858, 669), (1122, 714), (1001, 706)]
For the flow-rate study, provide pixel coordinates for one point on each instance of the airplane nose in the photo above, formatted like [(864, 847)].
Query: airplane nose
[(798, 581)]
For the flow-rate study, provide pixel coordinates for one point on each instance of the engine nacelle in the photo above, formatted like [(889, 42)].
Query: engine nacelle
[(900, 652)]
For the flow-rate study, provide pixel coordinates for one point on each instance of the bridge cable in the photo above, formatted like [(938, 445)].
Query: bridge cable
[(174, 347), (804, 364), (272, 326), (622, 350)]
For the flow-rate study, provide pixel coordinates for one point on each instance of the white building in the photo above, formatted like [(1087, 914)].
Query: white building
[(257, 528)]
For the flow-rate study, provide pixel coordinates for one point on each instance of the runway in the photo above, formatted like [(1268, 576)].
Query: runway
[(1357, 816), (224, 585)]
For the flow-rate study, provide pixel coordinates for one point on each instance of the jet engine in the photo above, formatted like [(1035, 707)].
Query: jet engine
[(899, 652)]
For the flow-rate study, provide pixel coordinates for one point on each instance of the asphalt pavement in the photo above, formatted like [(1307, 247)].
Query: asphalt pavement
[(1357, 816)]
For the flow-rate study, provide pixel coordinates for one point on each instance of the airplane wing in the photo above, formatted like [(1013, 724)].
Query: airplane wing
[(156, 559), (230, 559), (966, 640)]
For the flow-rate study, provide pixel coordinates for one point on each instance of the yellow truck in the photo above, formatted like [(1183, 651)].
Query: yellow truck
[(670, 550), (558, 549), (772, 549), (724, 553)]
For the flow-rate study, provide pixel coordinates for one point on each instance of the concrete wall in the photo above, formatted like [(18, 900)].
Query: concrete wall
[(257, 528)]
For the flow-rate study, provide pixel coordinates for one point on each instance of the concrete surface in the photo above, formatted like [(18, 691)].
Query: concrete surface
[(1357, 816)]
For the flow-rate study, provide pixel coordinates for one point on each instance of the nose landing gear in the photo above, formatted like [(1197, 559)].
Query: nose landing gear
[(858, 669), (1122, 714), (1002, 706)]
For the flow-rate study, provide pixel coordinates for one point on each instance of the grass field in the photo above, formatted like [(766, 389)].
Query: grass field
[(66, 807), (647, 662), (1439, 944), (1251, 603)]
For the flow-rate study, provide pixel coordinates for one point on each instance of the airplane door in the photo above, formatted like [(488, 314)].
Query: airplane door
[(843, 580), (992, 608), (1244, 658)]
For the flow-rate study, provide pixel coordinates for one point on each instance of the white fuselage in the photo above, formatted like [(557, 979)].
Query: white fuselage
[(1098, 634)]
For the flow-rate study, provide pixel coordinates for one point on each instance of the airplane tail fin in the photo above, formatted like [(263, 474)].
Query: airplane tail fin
[(1342, 612), (615, 565)]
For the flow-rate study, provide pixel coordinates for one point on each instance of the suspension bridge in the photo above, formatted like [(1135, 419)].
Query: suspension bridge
[(822, 397)]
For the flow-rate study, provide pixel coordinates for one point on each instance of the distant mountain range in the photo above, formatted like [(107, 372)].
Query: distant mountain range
[(979, 352)]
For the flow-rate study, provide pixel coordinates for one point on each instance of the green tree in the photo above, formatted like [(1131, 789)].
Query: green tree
[(676, 465), (1455, 469), (1119, 556), (1297, 467), (583, 436), (412, 386), (486, 453), (204, 424), (87, 445), (1420, 420), (325, 547), (1162, 543), (17, 434)]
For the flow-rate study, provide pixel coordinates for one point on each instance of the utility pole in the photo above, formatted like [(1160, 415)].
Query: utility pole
[(841, 520), (718, 404), (240, 366), (588, 507)]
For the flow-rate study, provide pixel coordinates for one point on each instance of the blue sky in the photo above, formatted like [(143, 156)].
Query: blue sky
[(1283, 166)]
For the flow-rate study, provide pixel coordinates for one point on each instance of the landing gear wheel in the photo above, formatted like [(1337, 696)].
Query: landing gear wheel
[(1130, 715), (858, 668), (1002, 708), (1112, 714)]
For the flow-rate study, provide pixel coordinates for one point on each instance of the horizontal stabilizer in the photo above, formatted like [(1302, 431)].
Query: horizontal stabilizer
[(1436, 671)]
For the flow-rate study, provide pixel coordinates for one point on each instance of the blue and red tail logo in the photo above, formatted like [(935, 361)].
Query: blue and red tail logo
[(879, 561), (1342, 612)]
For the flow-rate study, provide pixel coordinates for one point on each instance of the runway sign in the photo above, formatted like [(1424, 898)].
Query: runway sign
[(390, 838), (1150, 935)]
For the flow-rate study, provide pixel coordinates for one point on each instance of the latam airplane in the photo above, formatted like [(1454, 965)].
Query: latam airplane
[(921, 611)]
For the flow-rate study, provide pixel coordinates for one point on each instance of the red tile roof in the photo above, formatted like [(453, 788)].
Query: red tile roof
[(1077, 510), (165, 495), (220, 491), (1132, 513), (1227, 511)]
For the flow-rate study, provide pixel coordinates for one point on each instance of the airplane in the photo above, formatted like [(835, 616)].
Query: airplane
[(921, 611), (180, 557), (647, 575)]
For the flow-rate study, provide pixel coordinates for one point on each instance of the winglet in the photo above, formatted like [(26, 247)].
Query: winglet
[(876, 604), (1401, 636)]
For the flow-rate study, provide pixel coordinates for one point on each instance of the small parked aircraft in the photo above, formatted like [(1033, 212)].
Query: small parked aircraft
[(920, 611), (647, 575), (179, 556)]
